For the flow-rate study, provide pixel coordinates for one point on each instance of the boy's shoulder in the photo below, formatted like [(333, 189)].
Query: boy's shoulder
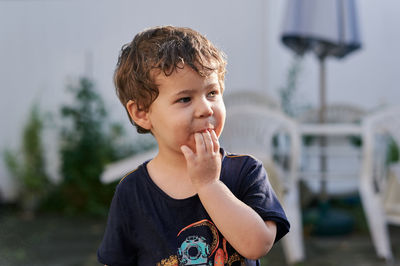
[(240, 164), (240, 156), (241, 159), (133, 177)]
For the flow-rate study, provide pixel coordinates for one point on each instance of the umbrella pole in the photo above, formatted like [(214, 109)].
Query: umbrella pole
[(326, 220), (322, 139)]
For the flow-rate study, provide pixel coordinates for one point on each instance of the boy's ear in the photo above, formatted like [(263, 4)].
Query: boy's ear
[(140, 117)]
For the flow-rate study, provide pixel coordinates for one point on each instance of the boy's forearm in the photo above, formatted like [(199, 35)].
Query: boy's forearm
[(242, 227)]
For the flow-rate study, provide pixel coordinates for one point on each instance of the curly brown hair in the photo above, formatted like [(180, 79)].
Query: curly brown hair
[(158, 50)]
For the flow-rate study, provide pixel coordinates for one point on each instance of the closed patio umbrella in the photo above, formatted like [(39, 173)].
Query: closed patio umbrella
[(327, 28)]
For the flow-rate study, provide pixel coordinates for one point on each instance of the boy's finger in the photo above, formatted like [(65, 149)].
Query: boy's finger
[(200, 146), (208, 141), (187, 152), (215, 141)]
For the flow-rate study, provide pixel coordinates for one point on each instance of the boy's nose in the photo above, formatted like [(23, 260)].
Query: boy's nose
[(204, 108)]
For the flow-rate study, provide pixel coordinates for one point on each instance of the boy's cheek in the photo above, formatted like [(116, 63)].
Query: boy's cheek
[(218, 131), (191, 143)]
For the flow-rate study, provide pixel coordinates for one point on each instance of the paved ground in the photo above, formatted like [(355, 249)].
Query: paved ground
[(72, 241), (353, 249), (49, 240)]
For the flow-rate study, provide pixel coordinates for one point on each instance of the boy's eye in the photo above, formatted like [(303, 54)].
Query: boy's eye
[(184, 100), (212, 94)]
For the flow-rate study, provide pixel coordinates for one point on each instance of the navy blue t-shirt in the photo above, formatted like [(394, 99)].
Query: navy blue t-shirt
[(147, 227)]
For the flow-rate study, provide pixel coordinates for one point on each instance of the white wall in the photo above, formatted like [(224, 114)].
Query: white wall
[(43, 46)]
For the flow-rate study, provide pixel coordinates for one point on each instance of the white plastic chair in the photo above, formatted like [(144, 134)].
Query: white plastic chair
[(377, 129), (334, 113), (246, 97), (273, 138), (342, 158), (116, 170)]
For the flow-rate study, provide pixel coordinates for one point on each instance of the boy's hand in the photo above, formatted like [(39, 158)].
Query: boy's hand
[(204, 166)]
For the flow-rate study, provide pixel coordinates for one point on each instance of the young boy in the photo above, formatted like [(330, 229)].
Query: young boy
[(193, 204)]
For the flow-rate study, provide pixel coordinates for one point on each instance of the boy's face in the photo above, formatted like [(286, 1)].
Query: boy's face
[(187, 103)]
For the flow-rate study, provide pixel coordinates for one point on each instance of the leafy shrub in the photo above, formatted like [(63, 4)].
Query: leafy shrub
[(28, 164), (88, 142)]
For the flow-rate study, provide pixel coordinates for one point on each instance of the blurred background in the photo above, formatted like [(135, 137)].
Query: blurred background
[(62, 123)]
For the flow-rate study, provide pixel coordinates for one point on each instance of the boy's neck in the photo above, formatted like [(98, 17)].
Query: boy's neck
[(172, 161), (168, 172)]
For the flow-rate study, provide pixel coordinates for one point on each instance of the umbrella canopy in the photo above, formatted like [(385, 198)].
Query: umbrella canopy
[(325, 27), (328, 27)]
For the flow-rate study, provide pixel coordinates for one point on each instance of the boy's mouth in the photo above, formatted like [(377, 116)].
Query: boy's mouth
[(203, 130), (208, 126)]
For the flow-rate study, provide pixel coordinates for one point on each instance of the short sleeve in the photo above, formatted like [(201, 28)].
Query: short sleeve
[(116, 249), (256, 191)]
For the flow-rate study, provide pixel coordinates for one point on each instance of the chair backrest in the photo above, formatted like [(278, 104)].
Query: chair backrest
[(335, 113), (246, 97), (378, 129), (263, 133), (384, 122)]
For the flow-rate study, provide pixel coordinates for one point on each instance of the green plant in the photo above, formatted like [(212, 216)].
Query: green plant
[(28, 164), (392, 152), (89, 141), (288, 91)]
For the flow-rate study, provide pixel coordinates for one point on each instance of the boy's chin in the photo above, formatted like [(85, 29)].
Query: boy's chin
[(191, 146)]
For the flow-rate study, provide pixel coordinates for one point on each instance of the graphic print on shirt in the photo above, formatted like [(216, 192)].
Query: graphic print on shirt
[(199, 244)]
